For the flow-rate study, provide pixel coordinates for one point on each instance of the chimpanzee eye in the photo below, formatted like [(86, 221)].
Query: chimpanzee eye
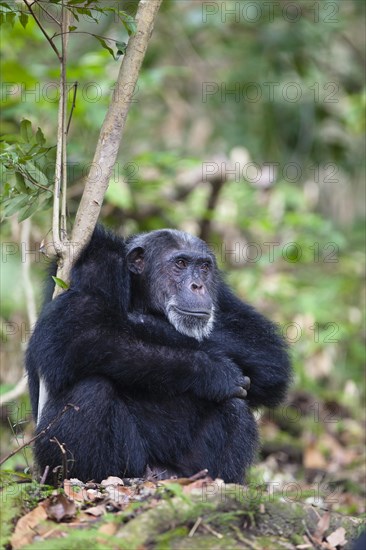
[(182, 264), (205, 267)]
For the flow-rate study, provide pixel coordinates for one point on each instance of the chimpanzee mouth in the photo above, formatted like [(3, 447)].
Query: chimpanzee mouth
[(203, 314), (196, 323)]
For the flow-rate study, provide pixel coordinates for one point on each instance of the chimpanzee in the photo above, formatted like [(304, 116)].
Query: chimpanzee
[(158, 354)]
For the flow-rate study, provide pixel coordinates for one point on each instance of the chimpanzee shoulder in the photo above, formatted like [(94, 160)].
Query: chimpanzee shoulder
[(101, 268)]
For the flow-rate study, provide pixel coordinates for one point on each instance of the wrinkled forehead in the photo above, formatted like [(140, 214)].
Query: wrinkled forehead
[(185, 244), (170, 239)]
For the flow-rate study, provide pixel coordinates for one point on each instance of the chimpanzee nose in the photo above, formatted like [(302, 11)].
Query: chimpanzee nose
[(197, 288)]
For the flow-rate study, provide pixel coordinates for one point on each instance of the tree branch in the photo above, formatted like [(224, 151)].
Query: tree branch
[(75, 88), (65, 23), (42, 29), (39, 4), (60, 170), (205, 223)]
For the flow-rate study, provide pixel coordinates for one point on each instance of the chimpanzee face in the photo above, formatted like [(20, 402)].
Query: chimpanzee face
[(189, 301), (177, 276)]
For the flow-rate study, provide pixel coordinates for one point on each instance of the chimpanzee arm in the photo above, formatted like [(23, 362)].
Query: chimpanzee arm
[(80, 335), (253, 343), (240, 334)]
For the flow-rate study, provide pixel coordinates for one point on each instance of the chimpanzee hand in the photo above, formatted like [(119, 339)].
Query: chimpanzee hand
[(244, 388), (220, 378)]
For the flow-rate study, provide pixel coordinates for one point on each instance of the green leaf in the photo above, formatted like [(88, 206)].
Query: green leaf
[(6, 190), (72, 28), (27, 211), (40, 137), (86, 11), (75, 15), (26, 130), (5, 5), (20, 184), (11, 138), (23, 18), (59, 282), (41, 152), (35, 174), (14, 204), (129, 23), (10, 17), (105, 46)]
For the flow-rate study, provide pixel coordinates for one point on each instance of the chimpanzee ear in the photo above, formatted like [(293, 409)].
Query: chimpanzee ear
[(135, 260)]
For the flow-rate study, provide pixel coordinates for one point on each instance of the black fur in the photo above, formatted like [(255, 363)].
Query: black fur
[(149, 395)]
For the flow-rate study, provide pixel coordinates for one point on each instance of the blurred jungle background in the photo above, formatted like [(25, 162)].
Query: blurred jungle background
[(247, 129)]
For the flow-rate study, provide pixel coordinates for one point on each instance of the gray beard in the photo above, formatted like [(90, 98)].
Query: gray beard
[(190, 325)]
